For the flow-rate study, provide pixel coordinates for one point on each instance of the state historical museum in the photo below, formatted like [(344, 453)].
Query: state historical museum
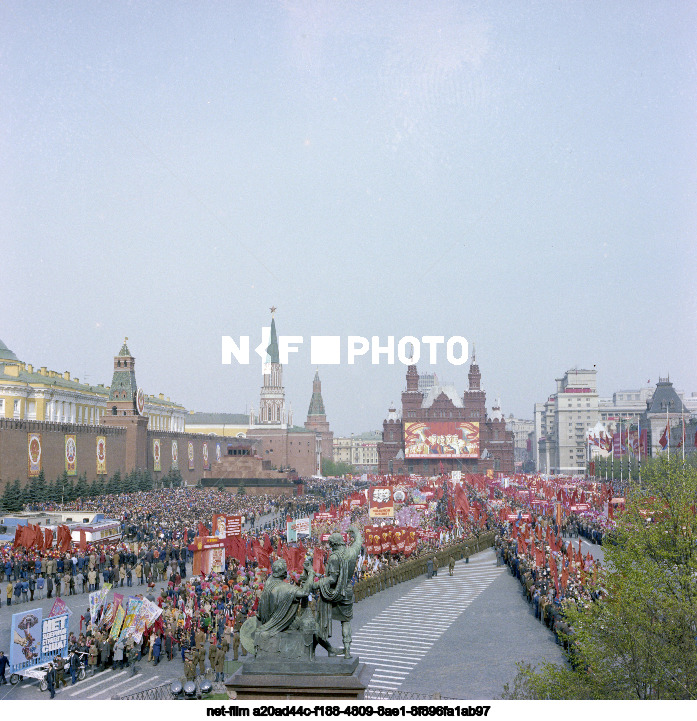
[(440, 431)]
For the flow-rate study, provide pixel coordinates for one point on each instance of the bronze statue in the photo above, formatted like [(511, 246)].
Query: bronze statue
[(335, 592)]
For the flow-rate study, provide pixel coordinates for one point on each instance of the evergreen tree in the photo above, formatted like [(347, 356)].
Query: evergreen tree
[(175, 478), (82, 489), (96, 487), (50, 492), (146, 482), (40, 487), (131, 483), (12, 497), (69, 490), (114, 485), (6, 499)]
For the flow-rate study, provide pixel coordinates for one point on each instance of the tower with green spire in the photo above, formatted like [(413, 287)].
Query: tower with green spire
[(123, 389), (317, 419), (122, 409)]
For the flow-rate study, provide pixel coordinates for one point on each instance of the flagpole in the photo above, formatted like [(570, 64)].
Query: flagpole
[(682, 413), (639, 439), (621, 469), (629, 454)]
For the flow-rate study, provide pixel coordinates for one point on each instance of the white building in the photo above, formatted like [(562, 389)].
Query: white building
[(562, 423)]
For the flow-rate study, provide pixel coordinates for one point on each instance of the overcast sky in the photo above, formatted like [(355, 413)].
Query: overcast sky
[(522, 174)]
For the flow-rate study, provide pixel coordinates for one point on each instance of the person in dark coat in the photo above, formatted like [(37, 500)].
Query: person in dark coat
[(3, 665), (157, 649), (169, 646), (51, 680)]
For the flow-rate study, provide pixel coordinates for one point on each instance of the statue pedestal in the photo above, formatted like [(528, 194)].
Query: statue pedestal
[(320, 679)]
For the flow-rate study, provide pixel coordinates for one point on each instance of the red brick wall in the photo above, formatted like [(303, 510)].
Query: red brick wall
[(14, 449)]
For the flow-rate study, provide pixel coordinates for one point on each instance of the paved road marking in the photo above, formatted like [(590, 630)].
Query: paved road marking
[(151, 681), (88, 686), (400, 636)]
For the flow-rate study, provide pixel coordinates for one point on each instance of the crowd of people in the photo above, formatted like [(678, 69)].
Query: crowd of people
[(201, 616)]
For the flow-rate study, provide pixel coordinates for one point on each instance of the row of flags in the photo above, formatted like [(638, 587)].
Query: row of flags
[(34, 537)]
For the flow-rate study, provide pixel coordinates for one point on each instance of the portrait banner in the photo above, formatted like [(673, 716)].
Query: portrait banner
[(220, 526), (71, 454), (34, 454), (441, 439), (157, 455), (218, 453), (191, 456), (206, 458), (101, 455), (175, 454), (381, 504)]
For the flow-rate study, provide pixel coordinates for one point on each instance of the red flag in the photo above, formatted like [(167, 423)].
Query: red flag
[(29, 538), (318, 561), (386, 539), (411, 540), (263, 560), (267, 544), (202, 530), (665, 438), (48, 538), (83, 541), (553, 567), (67, 540), (18, 537)]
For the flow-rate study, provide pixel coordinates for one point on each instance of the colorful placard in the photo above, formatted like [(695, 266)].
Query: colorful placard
[(34, 454), (71, 454)]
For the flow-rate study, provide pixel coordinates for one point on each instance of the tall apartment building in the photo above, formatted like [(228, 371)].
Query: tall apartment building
[(562, 423)]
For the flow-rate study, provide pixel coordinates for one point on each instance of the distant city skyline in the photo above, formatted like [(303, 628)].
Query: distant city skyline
[(522, 175)]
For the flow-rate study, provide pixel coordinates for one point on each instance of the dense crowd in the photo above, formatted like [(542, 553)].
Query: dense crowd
[(202, 616)]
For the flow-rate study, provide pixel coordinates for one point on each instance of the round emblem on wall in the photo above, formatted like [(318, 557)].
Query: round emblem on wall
[(140, 402)]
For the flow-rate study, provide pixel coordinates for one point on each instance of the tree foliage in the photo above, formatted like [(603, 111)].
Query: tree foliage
[(331, 468), (639, 641)]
